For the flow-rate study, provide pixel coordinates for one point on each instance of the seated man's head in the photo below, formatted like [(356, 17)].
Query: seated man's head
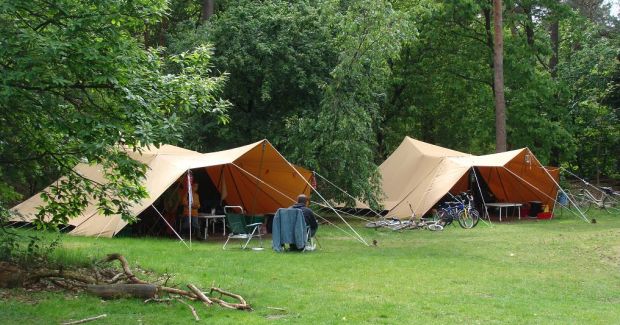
[(302, 199)]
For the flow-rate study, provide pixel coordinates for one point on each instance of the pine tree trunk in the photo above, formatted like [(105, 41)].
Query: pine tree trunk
[(207, 9), (554, 35), (498, 80)]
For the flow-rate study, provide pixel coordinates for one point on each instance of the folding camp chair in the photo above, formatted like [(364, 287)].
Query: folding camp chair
[(239, 229)]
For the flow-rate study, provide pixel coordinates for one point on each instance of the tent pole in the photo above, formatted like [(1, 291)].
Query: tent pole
[(486, 210), (190, 202), (169, 226)]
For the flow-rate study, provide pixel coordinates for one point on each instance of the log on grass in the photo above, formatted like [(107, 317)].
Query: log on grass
[(110, 291)]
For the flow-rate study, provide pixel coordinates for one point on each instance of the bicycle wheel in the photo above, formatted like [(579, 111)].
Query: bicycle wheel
[(610, 204), (397, 225), (468, 218), (435, 227), (375, 224), (583, 203), (444, 217)]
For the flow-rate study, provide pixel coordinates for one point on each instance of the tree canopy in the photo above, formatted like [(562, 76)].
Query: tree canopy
[(79, 86)]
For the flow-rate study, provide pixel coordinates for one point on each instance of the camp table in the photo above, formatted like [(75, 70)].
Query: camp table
[(210, 218), (505, 205)]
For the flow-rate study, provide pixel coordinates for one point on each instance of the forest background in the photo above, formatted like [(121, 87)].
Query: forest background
[(335, 85)]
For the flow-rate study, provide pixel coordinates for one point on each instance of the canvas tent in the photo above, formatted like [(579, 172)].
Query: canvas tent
[(418, 175), (255, 176)]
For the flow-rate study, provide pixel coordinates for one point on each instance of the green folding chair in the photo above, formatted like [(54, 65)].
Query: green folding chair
[(240, 229)]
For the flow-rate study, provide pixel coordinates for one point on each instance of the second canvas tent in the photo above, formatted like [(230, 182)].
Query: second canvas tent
[(418, 175)]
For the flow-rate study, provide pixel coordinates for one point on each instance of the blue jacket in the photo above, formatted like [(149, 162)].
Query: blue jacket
[(289, 227)]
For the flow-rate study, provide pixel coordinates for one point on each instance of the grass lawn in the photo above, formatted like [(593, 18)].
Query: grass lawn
[(560, 271)]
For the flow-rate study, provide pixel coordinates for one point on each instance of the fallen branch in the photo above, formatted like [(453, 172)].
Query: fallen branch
[(176, 291), (116, 278), (109, 283), (191, 308), (125, 266), (242, 305), (200, 295), (65, 285), (223, 303), (85, 320)]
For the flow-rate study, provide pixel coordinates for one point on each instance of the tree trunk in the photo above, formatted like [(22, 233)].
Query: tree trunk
[(161, 33), (207, 9), (110, 291), (554, 33), (487, 29), (529, 26), (498, 80)]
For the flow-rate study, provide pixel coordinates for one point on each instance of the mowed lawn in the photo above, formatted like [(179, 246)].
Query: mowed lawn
[(561, 271)]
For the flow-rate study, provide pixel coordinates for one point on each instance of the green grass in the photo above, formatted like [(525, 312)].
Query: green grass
[(562, 271)]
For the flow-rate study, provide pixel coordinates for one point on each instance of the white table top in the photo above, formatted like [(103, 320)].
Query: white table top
[(504, 204), (210, 216)]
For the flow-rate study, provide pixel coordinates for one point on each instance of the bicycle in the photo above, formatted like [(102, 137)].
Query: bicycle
[(462, 210), (607, 200), (413, 223), (384, 223)]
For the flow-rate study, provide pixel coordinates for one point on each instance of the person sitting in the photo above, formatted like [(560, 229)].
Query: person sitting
[(302, 204)]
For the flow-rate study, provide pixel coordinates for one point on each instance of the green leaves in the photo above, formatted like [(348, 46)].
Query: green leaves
[(78, 85)]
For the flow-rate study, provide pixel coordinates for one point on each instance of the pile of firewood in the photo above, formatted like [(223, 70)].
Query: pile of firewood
[(110, 283)]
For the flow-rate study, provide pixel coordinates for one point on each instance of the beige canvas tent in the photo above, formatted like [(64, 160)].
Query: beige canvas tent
[(417, 175), (255, 176)]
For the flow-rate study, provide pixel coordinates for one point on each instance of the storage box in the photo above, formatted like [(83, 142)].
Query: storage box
[(544, 215), (524, 212)]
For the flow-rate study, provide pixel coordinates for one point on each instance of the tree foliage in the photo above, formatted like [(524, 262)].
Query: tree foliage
[(79, 86)]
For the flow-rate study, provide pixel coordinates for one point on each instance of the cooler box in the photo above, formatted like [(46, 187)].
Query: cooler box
[(535, 209), (545, 215)]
